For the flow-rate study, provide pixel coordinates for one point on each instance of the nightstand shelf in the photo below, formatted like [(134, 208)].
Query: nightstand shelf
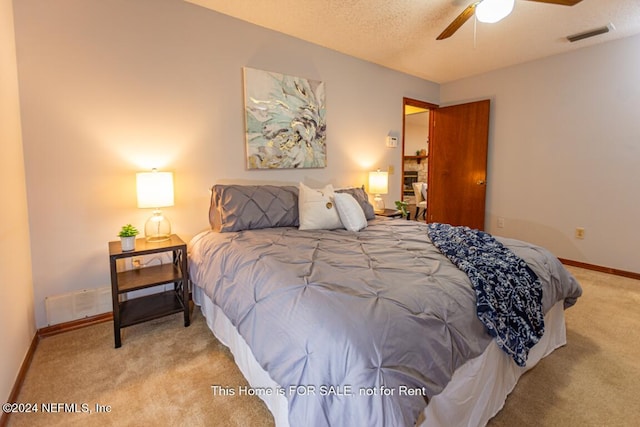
[(140, 278), (154, 306), (129, 311)]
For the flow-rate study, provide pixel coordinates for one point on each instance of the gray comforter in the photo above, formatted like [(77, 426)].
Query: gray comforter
[(357, 328)]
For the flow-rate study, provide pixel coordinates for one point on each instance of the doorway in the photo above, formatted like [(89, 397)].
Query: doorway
[(416, 125), (456, 157)]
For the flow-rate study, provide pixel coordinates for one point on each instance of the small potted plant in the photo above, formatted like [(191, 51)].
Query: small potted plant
[(128, 235), (401, 205)]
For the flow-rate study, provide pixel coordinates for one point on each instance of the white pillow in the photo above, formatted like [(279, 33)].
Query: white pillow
[(316, 209), (350, 212)]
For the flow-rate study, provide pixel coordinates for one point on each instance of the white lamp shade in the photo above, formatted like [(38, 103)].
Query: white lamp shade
[(491, 11), (155, 189), (378, 182)]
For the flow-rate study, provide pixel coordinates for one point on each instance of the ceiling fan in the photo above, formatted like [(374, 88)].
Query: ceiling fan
[(491, 11)]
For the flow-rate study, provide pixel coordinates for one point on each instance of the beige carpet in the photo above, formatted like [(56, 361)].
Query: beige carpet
[(162, 375), (595, 379)]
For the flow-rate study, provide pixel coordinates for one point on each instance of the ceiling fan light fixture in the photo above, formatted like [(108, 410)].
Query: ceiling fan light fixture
[(491, 11)]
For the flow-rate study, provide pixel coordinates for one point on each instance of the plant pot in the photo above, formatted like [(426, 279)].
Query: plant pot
[(128, 243)]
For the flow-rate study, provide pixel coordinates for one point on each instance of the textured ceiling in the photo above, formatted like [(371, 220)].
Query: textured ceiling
[(401, 34)]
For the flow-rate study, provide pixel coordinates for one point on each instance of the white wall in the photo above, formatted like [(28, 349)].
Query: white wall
[(17, 325), (112, 88), (565, 151)]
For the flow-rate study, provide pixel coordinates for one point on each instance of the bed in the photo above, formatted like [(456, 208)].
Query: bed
[(363, 321)]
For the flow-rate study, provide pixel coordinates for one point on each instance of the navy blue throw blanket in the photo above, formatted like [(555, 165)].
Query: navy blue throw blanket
[(508, 292)]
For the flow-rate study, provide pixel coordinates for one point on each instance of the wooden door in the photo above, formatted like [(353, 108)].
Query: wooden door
[(458, 164)]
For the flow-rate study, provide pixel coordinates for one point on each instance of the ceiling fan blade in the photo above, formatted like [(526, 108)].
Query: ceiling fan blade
[(560, 2), (457, 23)]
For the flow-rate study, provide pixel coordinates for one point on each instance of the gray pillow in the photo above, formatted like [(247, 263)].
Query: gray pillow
[(362, 198), (247, 207)]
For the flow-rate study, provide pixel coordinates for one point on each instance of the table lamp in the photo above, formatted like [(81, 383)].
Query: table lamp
[(155, 190), (378, 184)]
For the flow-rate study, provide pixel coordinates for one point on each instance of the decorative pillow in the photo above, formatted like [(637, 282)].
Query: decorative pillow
[(350, 212), (246, 207), (316, 209), (362, 198)]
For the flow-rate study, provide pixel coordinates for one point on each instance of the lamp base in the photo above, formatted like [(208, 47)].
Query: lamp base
[(378, 204), (157, 228)]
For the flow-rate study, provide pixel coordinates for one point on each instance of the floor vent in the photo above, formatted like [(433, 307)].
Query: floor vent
[(78, 305)]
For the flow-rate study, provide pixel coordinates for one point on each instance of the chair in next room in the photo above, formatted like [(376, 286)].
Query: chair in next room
[(420, 192)]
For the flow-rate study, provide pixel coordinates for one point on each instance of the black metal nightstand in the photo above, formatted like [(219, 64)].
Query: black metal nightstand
[(149, 307)]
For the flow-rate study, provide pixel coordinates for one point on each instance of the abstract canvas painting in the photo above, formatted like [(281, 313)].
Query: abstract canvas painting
[(285, 121)]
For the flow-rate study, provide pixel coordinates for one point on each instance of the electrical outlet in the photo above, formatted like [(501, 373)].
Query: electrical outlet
[(391, 170), (500, 222), (136, 262), (579, 233)]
